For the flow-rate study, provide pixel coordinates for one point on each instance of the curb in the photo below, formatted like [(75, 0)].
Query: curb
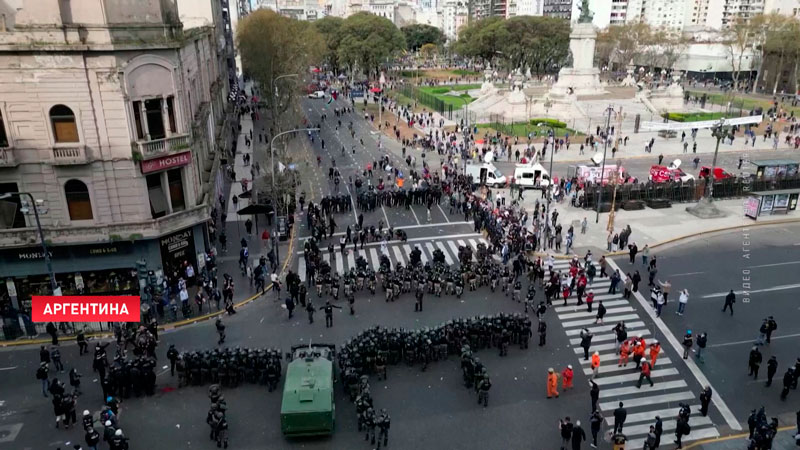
[(684, 237), (730, 437), (174, 325)]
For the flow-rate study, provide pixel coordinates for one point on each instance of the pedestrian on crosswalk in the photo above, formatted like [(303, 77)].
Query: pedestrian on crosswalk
[(658, 428), (705, 400), (620, 414), (655, 350), (594, 393), (586, 342), (644, 373), (601, 312), (595, 365), (589, 301)]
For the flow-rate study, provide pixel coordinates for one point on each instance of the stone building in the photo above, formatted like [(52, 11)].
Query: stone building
[(111, 116)]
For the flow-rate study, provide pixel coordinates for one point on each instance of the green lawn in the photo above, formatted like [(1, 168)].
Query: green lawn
[(464, 73), (441, 93), (743, 101), (521, 129)]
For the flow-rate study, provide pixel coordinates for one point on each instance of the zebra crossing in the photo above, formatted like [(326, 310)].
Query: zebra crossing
[(619, 383), (398, 252)]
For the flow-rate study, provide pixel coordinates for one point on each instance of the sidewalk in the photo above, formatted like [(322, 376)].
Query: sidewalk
[(653, 227), (784, 440)]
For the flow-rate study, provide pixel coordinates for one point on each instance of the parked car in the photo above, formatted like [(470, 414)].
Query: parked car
[(673, 172), (719, 173), (317, 94)]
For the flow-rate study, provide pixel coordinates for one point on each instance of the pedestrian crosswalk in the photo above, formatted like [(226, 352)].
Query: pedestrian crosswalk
[(398, 252), (618, 384)]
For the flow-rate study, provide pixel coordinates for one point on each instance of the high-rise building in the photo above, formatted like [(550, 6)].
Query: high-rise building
[(558, 8), (111, 123)]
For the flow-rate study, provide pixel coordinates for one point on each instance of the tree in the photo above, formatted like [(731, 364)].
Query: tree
[(783, 41), (330, 29), (738, 38), (541, 43), (673, 44), (367, 41), (480, 39), (626, 41), (272, 45), (418, 35), (428, 50)]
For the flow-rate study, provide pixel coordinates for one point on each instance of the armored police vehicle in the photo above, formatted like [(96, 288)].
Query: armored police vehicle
[(308, 407)]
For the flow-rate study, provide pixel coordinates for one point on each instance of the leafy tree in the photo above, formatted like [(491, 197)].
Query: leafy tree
[(626, 42), (428, 50), (481, 39), (541, 43), (367, 41), (330, 29), (272, 45), (418, 35)]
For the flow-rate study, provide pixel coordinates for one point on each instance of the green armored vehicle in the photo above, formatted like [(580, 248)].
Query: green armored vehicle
[(308, 407)]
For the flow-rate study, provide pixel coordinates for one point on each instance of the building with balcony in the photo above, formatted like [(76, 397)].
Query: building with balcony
[(111, 113)]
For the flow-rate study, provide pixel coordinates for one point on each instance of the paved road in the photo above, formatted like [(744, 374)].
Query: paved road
[(424, 406), (767, 259)]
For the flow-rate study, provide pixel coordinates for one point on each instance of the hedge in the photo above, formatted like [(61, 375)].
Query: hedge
[(550, 122), (693, 117)]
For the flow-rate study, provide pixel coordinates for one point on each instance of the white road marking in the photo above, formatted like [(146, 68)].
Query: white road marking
[(416, 219), (775, 264), (7, 368), (634, 390), (376, 262), (445, 215), (426, 238), (648, 400), (750, 341), (782, 287), (727, 414)]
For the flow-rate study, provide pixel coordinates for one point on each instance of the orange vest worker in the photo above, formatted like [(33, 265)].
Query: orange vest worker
[(552, 383), (655, 350), (624, 353), (595, 360), (566, 378)]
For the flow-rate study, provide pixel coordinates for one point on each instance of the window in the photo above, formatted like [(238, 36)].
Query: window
[(154, 117), (11, 215), (158, 201), (3, 136), (175, 183), (171, 114), (78, 202), (64, 127), (137, 119)]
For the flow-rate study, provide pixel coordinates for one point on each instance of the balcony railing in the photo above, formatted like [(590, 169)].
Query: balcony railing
[(69, 154), (7, 157), (161, 147)]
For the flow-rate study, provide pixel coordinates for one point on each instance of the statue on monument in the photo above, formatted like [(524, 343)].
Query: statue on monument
[(586, 15)]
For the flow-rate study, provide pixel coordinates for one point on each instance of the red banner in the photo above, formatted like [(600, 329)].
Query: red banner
[(85, 308)]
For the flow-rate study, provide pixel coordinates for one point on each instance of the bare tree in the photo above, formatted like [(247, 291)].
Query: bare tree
[(738, 39)]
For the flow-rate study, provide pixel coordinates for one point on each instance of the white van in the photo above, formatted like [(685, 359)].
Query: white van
[(531, 176), (485, 173)]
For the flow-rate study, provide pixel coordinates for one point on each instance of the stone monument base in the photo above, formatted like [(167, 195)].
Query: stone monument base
[(705, 209), (581, 81)]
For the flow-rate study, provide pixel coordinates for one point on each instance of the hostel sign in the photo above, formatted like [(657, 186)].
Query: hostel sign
[(166, 162)]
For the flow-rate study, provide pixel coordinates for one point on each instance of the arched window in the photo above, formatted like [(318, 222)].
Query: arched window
[(64, 127), (78, 201)]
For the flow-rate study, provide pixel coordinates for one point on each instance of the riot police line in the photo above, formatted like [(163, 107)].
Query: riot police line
[(373, 349), (228, 367)]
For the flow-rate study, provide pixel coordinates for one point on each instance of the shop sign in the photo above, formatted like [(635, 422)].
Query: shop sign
[(166, 162), (77, 251), (175, 249)]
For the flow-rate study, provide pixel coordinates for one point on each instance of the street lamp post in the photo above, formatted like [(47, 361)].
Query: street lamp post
[(48, 263), (550, 171), (275, 94), (274, 198), (610, 110)]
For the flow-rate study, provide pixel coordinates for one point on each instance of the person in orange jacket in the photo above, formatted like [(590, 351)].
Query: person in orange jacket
[(655, 350), (552, 383), (624, 353), (595, 364), (566, 378), (638, 353)]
